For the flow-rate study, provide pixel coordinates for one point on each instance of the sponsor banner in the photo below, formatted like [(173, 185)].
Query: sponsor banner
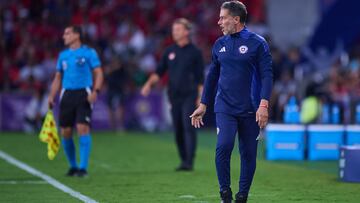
[(139, 112)]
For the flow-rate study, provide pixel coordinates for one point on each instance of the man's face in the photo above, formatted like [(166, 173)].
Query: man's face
[(179, 32), (227, 22), (70, 36)]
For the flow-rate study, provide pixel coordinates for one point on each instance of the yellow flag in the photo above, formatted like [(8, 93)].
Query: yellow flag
[(49, 134)]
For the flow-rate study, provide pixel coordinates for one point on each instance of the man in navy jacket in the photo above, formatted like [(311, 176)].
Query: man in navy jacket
[(239, 83)]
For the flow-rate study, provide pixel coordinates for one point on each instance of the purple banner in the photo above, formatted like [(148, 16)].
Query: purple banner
[(144, 113), (139, 112), (12, 111)]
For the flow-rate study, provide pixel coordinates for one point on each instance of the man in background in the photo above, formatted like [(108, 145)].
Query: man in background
[(35, 111), (184, 62), (116, 80)]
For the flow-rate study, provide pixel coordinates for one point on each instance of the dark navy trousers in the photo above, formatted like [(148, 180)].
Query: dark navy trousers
[(185, 133), (248, 130)]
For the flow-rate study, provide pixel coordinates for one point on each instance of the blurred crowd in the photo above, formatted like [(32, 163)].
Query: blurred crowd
[(335, 84), (130, 36)]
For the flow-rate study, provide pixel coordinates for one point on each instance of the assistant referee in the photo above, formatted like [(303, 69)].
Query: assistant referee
[(79, 76)]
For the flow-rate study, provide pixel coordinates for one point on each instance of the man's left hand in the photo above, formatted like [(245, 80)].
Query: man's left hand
[(262, 116)]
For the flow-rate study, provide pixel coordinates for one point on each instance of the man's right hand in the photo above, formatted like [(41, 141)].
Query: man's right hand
[(196, 117), (145, 90), (51, 102)]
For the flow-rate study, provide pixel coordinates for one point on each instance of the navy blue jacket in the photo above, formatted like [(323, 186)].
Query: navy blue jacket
[(240, 74)]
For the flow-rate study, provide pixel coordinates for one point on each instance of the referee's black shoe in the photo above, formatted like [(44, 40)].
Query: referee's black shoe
[(72, 172), (82, 173), (240, 198), (226, 196)]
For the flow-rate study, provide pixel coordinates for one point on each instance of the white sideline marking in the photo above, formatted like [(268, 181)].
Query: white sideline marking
[(187, 197), (15, 182), (45, 177)]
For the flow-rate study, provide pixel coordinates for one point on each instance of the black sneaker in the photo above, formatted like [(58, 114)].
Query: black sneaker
[(72, 172), (226, 196), (82, 173), (184, 168), (240, 198)]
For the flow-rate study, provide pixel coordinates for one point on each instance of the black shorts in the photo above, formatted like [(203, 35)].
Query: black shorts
[(74, 108)]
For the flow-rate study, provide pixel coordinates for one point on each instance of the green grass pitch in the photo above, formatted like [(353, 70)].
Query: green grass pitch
[(139, 167)]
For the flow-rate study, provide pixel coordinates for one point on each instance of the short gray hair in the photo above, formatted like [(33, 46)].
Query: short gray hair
[(236, 8)]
